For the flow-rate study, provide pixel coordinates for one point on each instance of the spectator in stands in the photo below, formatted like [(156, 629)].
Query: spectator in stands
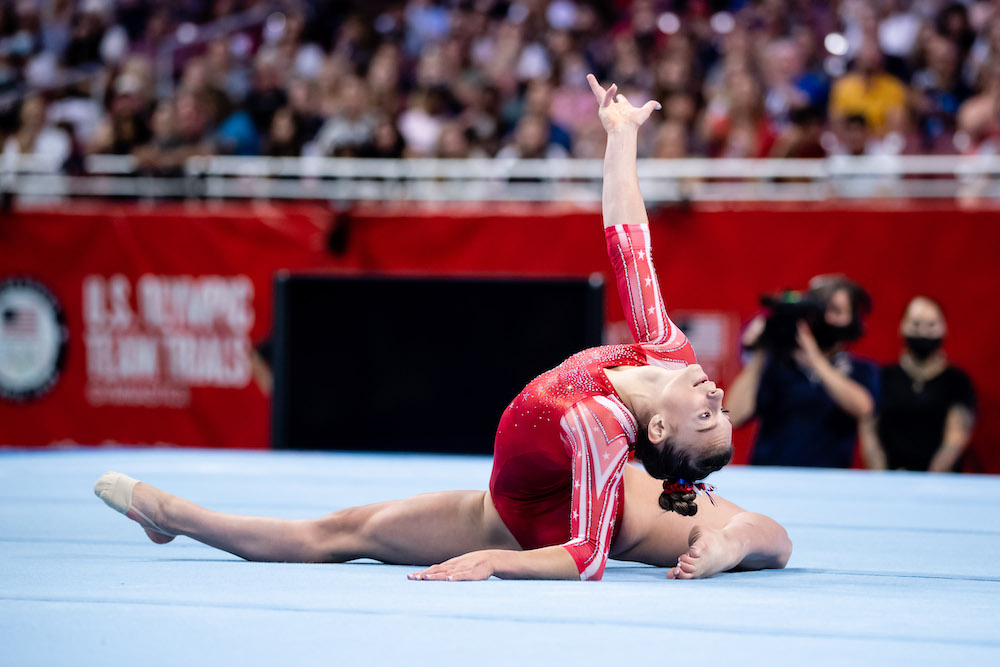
[(589, 141), (35, 136), (734, 82), (803, 136), (952, 22), (532, 139), (383, 79), (671, 141), (936, 92), (928, 406), (301, 57), (735, 124), (783, 68), (56, 18), (149, 37), (453, 143), (87, 30), (898, 29), (334, 72), (285, 137), (267, 93), (126, 126), (809, 399), (481, 114), (303, 100), (232, 130), (985, 49), (227, 72), (979, 116), (538, 101), (871, 92), (163, 141), (180, 131), (855, 139), (420, 124), (350, 126), (386, 141)]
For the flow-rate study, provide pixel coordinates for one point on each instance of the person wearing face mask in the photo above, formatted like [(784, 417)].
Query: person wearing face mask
[(927, 406), (811, 400)]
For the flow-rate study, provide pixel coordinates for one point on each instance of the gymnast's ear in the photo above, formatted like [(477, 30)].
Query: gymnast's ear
[(658, 430)]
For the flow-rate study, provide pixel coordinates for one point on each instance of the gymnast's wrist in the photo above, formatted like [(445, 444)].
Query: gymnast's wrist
[(625, 131)]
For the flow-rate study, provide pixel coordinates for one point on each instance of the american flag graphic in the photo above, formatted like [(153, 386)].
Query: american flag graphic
[(19, 321)]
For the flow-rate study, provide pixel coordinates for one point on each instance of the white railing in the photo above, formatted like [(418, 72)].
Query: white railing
[(971, 178)]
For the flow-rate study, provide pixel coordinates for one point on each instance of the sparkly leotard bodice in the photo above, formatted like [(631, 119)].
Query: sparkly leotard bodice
[(563, 442)]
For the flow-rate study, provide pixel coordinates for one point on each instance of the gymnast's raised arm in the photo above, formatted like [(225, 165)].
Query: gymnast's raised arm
[(626, 228), (621, 200)]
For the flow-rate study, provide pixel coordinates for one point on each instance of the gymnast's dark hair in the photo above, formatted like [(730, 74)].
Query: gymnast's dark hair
[(669, 464)]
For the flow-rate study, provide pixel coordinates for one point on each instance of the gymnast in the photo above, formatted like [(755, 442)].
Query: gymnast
[(562, 497)]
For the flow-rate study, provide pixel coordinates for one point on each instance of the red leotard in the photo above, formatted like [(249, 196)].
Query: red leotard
[(563, 442)]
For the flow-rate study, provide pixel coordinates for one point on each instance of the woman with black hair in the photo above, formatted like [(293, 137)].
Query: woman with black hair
[(562, 496), (928, 405)]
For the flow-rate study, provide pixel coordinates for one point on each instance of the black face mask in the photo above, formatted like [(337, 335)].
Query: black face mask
[(828, 335), (922, 348)]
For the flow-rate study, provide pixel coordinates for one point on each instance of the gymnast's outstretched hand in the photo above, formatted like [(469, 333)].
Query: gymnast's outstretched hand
[(616, 112), (473, 566)]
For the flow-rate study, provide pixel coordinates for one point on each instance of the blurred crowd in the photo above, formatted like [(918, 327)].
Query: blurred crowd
[(489, 78)]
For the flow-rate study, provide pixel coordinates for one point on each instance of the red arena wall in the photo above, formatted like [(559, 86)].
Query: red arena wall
[(162, 305)]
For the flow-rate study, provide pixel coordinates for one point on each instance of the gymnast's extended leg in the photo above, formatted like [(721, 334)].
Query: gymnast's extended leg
[(422, 530)]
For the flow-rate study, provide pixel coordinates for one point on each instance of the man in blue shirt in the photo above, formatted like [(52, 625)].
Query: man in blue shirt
[(810, 400)]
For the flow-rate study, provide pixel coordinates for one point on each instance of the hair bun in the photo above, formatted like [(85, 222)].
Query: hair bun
[(678, 497)]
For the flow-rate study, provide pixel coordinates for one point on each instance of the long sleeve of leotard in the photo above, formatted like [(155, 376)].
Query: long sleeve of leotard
[(629, 250), (596, 432)]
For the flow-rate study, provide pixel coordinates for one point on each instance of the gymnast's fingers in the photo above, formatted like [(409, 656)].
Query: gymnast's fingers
[(429, 573), (646, 109), (609, 96), (596, 88)]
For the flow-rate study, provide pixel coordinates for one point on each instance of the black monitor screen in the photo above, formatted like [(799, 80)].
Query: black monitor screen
[(416, 364)]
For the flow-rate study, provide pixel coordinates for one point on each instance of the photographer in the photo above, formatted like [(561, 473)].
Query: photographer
[(808, 391)]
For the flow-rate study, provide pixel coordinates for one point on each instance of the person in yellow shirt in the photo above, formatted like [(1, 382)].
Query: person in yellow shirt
[(870, 92)]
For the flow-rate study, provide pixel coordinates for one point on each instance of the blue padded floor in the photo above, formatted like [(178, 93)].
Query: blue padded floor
[(888, 568)]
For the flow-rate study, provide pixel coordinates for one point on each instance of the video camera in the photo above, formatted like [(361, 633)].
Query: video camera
[(785, 311)]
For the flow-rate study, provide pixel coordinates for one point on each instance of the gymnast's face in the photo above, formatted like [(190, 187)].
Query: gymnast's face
[(690, 414)]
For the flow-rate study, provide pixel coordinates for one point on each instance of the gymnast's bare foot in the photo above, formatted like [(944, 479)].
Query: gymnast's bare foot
[(138, 501), (710, 552)]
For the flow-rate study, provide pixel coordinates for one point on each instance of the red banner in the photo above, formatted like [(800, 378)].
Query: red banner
[(161, 306)]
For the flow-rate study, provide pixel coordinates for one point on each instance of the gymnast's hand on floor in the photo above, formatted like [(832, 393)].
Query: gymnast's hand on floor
[(474, 566), (616, 112)]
